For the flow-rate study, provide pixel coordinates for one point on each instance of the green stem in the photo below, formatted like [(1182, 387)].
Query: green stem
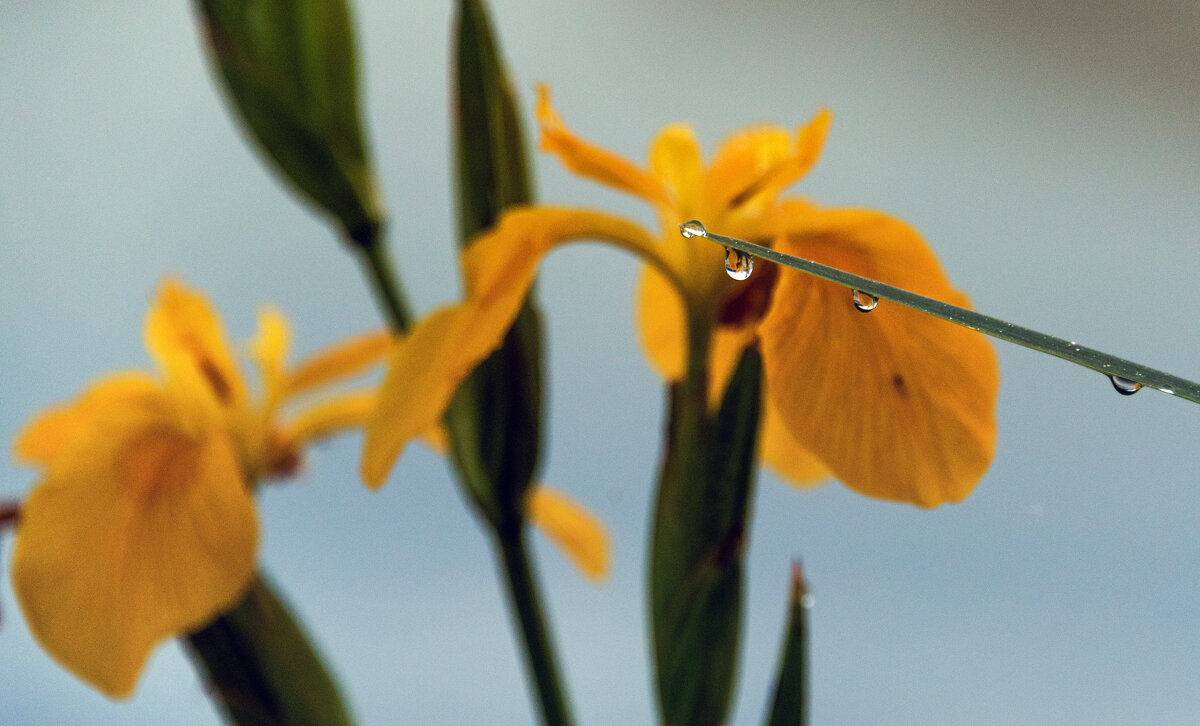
[(384, 283), (526, 603)]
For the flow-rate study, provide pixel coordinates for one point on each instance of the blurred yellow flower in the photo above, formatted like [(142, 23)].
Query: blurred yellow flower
[(896, 404), (142, 524)]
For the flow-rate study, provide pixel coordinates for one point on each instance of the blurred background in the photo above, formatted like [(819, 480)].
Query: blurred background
[(1049, 152)]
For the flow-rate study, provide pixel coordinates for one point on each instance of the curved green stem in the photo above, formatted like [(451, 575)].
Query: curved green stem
[(526, 603), (389, 294)]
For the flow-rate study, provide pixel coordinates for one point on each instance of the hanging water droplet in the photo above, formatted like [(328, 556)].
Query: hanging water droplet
[(1125, 386), (865, 302), (693, 228), (807, 601), (738, 264)]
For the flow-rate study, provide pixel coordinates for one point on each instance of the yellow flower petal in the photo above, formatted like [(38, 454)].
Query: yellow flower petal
[(784, 455), (269, 350), (342, 360), (589, 160), (576, 531), (426, 368), (49, 432), (331, 416), (676, 161), (756, 164), (186, 340), (138, 531), (661, 324), (899, 405)]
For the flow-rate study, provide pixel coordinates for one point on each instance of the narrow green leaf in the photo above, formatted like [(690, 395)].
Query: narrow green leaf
[(290, 72), (790, 704), (262, 668), (698, 545), (495, 418)]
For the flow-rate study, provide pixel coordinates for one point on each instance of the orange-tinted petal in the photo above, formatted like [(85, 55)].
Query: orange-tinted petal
[(50, 431), (589, 160), (756, 164), (186, 340), (576, 531), (899, 405), (426, 368), (341, 360), (137, 532), (785, 456)]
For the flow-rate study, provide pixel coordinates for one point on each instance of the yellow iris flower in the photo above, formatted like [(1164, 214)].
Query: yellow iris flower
[(896, 404), (142, 524)]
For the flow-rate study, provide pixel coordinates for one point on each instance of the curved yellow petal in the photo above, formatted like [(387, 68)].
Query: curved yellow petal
[(785, 456), (342, 360), (899, 405), (577, 532), (756, 164), (331, 416), (50, 431), (186, 340), (138, 531), (426, 368), (589, 160)]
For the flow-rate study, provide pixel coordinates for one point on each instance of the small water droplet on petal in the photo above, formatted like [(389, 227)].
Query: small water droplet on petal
[(1125, 386), (865, 302), (738, 264), (693, 228)]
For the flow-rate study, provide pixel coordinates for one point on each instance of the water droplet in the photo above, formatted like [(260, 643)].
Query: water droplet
[(738, 264), (693, 228), (807, 601), (1125, 386), (865, 302)]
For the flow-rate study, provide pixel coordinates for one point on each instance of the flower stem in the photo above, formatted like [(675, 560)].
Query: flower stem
[(526, 603), (384, 283)]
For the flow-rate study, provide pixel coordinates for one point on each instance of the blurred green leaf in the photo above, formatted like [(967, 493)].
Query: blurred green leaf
[(790, 704), (698, 545), (495, 418), (262, 668), (289, 68)]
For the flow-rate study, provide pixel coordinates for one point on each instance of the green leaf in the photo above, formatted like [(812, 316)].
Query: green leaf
[(262, 668), (790, 705), (290, 71), (495, 418), (698, 545)]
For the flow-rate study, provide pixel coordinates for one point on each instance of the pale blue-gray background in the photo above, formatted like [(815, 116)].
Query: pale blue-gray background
[(1049, 152)]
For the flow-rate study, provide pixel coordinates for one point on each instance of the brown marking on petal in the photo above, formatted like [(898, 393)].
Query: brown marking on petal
[(899, 384), (751, 298), (213, 375), (10, 512)]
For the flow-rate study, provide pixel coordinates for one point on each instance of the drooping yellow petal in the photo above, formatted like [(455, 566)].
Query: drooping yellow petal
[(589, 160), (576, 531), (756, 164), (49, 432), (186, 340), (139, 530), (426, 368), (342, 360), (899, 405), (661, 324), (785, 456)]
